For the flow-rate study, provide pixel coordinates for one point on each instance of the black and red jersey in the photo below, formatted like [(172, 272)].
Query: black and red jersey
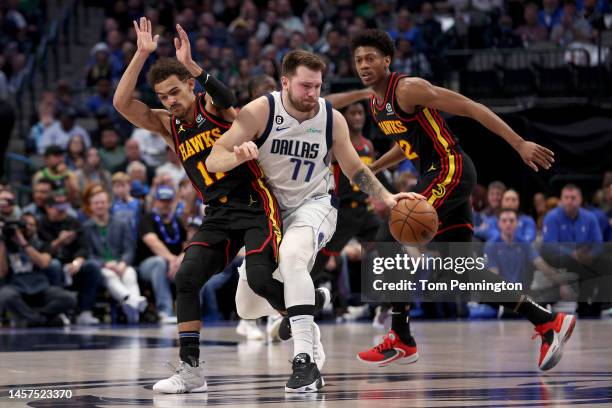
[(351, 195), (425, 139), (193, 143)]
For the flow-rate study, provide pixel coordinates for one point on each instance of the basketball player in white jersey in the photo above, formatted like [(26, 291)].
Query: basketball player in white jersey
[(293, 134)]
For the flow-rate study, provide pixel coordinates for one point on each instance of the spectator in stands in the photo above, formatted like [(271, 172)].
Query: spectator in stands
[(572, 238), (430, 28), (152, 147), (532, 31), (103, 65), (93, 172), (41, 191), (138, 172), (111, 152), (62, 237), (572, 26), (172, 167), (189, 203), (512, 258), (608, 231), (540, 210), (406, 28), (26, 265), (102, 100), (76, 153), (495, 192), (59, 133), (46, 118), (57, 171), (123, 203), (550, 15), (287, 19), (9, 209), (112, 247), (503, 35), (159, 250), (525, 228), (132, 152), (336, 51), (594, 16), (479, 201), (409, 61)]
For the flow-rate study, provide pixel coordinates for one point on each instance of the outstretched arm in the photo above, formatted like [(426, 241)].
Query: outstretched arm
[(222, 97), (138, 113), (356, 171), (236, 145), (343, 99), (413, 92)]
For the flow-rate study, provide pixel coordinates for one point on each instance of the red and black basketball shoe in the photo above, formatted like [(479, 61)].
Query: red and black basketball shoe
[(391, 350), (554, 335)]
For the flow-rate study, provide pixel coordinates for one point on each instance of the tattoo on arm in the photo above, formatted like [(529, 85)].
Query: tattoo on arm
[(368, 183)]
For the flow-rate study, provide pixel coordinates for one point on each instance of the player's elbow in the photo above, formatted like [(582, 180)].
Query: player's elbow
[(119, 103)]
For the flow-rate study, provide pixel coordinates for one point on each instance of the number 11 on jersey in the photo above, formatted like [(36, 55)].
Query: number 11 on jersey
[(208, 179)]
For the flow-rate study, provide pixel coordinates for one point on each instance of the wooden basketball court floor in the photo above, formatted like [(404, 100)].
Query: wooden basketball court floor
[(474, 364)]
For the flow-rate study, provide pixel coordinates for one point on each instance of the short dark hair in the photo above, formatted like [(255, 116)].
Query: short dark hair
[(297, 58), (496, 185), (376, 38), (571, 186), (512, 210), (46, 181), (256, 81), (164, 68)]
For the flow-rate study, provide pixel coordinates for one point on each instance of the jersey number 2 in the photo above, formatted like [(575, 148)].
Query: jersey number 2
[(208, 179), (298, 164)]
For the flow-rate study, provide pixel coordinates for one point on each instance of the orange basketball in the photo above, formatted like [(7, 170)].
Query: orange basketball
[(413, 221)]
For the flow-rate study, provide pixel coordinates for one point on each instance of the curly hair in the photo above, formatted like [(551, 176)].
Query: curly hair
[(376, 38), (164, 68)]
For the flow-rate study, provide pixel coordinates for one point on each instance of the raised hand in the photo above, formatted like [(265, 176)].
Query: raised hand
[(183, 47), (535, 155), (146, 42)]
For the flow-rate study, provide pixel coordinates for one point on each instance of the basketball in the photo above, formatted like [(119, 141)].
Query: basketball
[(413, 221)]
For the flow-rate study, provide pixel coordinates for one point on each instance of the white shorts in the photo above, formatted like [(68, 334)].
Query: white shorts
[(317, 213)]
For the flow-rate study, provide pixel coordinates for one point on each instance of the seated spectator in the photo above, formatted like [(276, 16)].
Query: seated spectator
[(102, 100), (406, 28), (28, 294), (123, 204), (57, 171), (112, 247), (540, 210), (411, 62), (189, 203), (152, 147), (495, 191), (40, 192), (593, 14), (61, 235), (59, 133), (93, 172), (46, 119), (132, 152), (513, 259), (503, 35), (479, 200), (572, 26), (137, 171), (173, 167), (103, 66), (572, 239), (525, 229), (111, 153), (532, 31), (75, 153), (159, 250), (9, 210), (550, 15)]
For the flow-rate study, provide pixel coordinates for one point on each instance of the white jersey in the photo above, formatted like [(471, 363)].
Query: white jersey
[(295, 157)]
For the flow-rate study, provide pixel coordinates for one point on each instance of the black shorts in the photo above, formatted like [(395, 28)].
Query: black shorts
[(358, 222), (254, 223), (449, 192)]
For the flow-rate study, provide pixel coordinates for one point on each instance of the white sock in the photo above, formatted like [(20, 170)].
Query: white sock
[(301, 331)]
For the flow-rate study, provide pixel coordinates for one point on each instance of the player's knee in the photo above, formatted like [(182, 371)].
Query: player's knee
[(186, 280), (258, 277), (295, 255)]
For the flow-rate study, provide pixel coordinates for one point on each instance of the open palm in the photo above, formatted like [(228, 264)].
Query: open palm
[(146, 41), (182, 45)]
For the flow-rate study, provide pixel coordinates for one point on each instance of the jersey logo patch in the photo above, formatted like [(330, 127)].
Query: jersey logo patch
[(438, 191), (279, 120), (181, 129), (389, 109), (199, 119), (278, 128)]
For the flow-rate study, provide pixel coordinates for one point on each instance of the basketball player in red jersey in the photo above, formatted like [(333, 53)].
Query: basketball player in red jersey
[(406, 109)]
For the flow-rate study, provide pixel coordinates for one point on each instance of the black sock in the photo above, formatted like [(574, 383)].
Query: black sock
[(189, 342), (526, 307), (400, 324)]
